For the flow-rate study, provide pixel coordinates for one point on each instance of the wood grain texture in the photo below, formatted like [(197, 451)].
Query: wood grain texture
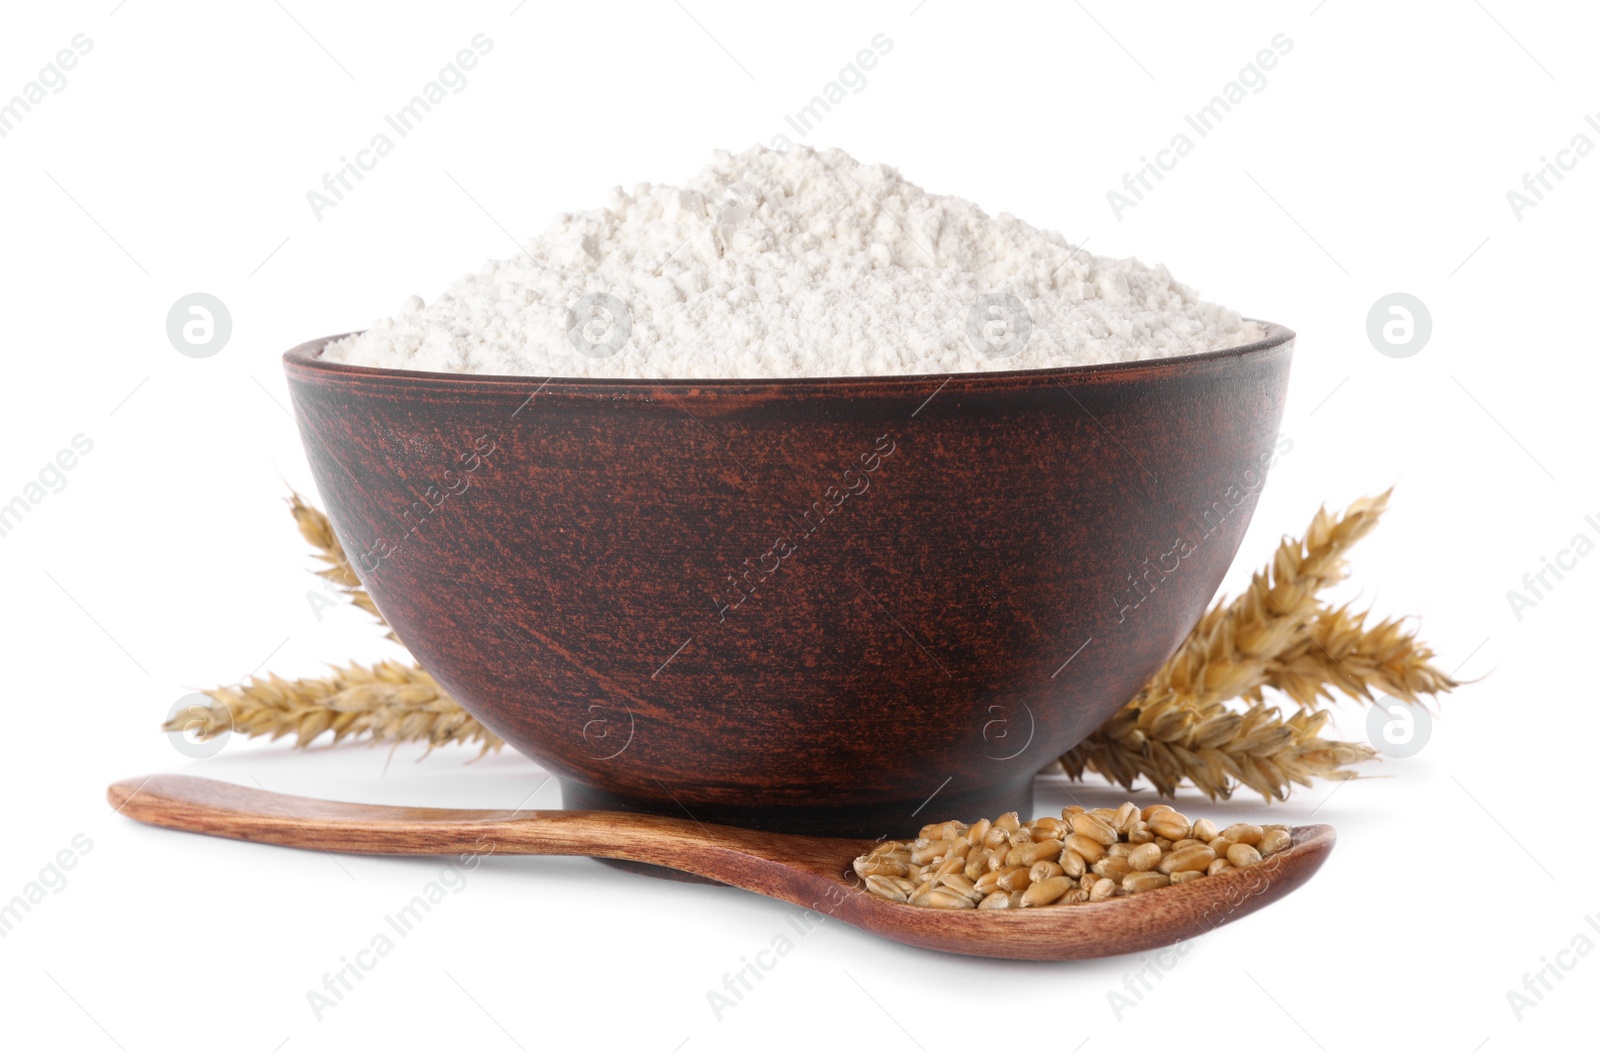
[(803, 605), (813, 872)]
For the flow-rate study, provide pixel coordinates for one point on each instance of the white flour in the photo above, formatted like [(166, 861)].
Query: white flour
[(805, 263)]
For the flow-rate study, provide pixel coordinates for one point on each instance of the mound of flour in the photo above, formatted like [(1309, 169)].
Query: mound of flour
[(802, 263)]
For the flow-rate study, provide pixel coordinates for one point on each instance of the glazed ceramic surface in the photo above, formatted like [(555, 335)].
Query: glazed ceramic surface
[(806, 605)]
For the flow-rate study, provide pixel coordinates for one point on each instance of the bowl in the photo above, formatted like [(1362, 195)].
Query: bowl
[(831, 606)]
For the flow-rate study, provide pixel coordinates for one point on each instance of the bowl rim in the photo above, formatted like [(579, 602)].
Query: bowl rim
[(306, 360)]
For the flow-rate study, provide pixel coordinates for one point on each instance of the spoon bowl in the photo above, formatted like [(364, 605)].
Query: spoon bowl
[(812, 872)]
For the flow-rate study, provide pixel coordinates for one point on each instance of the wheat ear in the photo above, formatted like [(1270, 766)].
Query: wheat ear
[(387, 702), (1180, 728), (318, 532)]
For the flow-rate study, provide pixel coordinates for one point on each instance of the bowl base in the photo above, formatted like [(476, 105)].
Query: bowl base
[(896, 819)]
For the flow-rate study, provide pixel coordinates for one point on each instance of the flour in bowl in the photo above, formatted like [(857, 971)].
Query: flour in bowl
[(801, 263)]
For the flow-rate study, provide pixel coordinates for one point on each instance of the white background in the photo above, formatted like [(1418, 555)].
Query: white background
[(1377, 159)]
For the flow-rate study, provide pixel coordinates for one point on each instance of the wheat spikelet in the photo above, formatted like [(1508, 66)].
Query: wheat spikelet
[(387, 702), (1340, 651), (1169, 744), (1278, 634), (1233, 648), (318, 532)]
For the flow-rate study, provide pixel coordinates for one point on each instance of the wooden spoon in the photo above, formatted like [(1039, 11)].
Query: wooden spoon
[(813, 872)]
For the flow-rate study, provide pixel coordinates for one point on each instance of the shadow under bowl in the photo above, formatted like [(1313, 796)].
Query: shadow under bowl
[(831, 606)]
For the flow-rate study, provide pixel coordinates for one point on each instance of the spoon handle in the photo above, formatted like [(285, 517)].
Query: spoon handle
[(741, 857)]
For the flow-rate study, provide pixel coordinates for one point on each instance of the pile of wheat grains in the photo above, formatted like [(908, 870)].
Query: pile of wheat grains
[(1083, 856)]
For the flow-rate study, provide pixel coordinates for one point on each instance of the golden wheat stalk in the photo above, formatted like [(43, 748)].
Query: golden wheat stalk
[(1180, 730), (1233, 649), (387, 702), (1215, 752), (318, 532), (1339, 651)]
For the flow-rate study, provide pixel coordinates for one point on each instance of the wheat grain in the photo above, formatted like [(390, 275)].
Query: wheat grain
[(932, 865)]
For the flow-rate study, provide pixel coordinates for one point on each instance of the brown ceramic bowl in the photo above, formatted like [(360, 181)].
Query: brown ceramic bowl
[(807, 605)]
